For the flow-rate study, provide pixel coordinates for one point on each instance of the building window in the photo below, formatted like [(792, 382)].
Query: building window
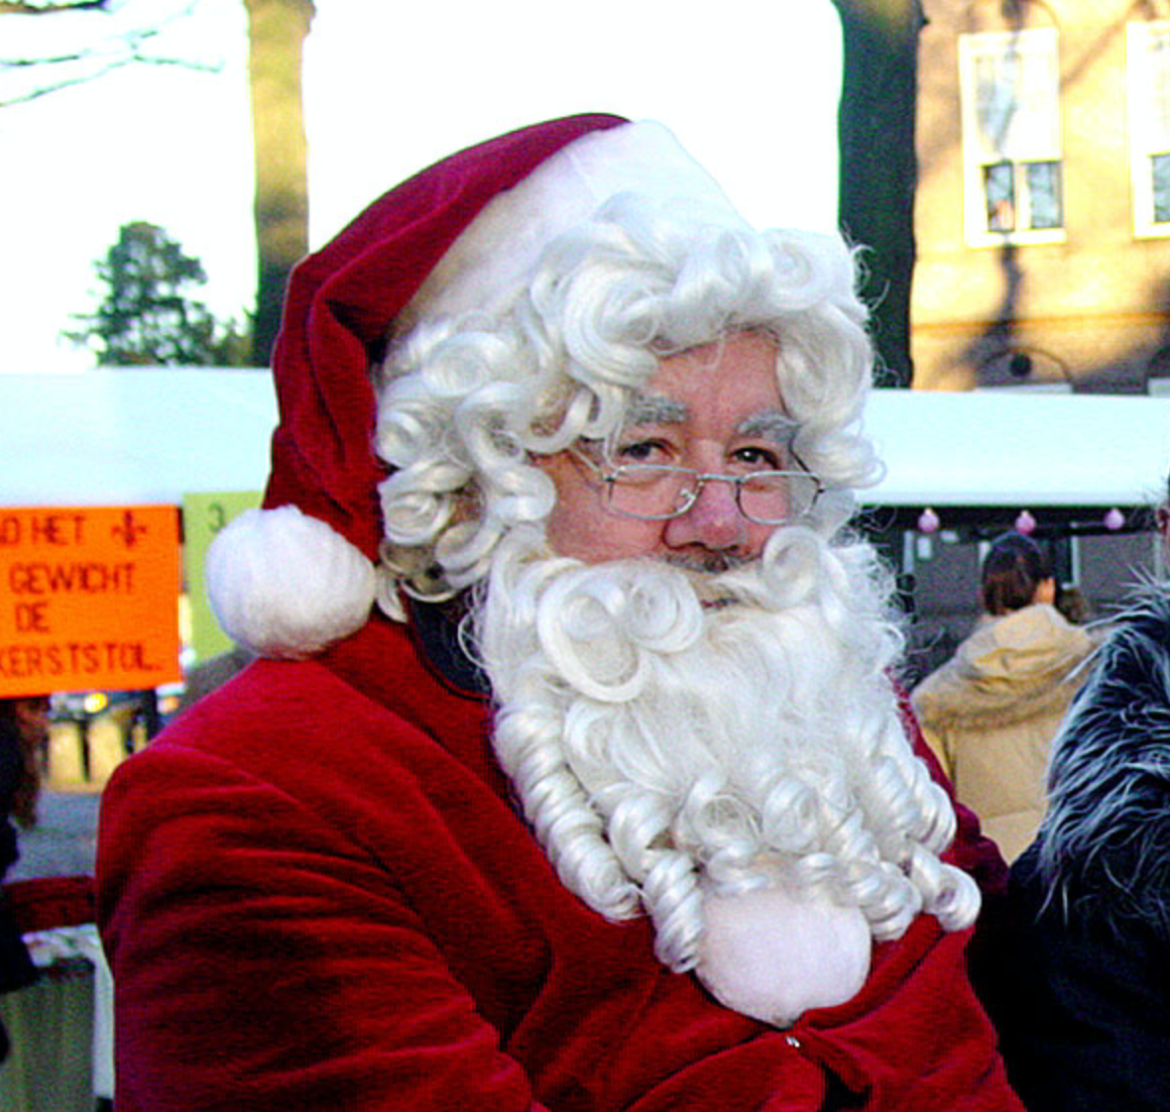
[(1030, 188), (1160, 178), (1148, 79), (1010, 88)]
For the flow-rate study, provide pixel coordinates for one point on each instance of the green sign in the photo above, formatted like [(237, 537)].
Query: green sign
[(204, 515)]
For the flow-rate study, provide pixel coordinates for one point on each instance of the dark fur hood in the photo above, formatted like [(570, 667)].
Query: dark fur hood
[(1105, 843)]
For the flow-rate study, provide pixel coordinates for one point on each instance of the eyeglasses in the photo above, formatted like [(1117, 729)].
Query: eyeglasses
[(654, 492)]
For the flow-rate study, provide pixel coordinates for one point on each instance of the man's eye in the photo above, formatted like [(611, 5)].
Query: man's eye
[(755, 458), (642, 451)]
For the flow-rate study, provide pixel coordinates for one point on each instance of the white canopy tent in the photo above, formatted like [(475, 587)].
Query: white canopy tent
[(1013, 448), (132, 436)]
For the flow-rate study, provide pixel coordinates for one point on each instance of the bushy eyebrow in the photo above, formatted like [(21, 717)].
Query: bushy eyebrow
[(658, 409), (655, 409), (771, 424)]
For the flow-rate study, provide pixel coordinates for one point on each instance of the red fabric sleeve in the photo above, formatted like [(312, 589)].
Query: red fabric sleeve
[(250, 914)]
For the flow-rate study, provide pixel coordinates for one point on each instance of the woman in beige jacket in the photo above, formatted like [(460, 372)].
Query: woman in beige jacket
[(991, 711)]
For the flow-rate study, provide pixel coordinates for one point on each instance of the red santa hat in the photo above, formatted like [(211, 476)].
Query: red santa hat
[(288, 580)]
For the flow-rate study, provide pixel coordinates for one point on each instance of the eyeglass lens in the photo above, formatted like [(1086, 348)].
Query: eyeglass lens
[(769, 497)]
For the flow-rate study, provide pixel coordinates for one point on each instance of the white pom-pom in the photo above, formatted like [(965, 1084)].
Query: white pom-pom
[(774, 954), (286, 585)]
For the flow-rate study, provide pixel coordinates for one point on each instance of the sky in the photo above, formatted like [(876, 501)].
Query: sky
[(388, 89)]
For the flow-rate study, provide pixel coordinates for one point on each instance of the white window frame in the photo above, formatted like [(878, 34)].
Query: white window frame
[(1023, 138), (1149, 122)]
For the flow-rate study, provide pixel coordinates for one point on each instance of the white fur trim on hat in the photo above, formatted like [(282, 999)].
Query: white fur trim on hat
[(493, 256), (286, 585)]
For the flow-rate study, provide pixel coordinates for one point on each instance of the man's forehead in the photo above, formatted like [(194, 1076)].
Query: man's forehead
[(661, 409)]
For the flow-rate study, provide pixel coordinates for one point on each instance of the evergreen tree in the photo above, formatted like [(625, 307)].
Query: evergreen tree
[(148, 315), (276, 34)]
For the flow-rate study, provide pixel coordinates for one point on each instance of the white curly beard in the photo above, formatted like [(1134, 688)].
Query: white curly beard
[(726, 752)]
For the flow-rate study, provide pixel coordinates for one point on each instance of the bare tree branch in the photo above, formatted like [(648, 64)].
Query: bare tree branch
[(16, 7), (101, 71), (131, 46)]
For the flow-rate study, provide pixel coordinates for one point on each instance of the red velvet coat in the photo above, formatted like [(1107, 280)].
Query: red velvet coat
[(316, 894)]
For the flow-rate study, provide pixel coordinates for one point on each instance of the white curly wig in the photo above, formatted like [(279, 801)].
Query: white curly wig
[(467, 399)]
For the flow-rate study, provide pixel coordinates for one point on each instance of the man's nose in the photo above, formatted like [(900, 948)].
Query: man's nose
[(713, 519)]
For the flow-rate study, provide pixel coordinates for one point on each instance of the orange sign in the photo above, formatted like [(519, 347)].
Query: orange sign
[(88, 599)]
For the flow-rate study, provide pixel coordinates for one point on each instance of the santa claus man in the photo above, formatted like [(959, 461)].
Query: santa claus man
[(574, 776)]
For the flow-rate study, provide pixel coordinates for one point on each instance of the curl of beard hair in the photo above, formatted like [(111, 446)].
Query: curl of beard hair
[(663, 747)]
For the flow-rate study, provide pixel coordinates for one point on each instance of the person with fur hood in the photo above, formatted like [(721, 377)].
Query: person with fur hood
[(1080, 980), (571, 776), (991, 711)]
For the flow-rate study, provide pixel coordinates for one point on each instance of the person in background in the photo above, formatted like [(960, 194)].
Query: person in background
[(24, 729), (1080, 984), (573, 776), (990, 712)]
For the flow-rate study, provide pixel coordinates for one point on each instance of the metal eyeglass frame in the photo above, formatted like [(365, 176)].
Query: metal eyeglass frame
[(612, 477)]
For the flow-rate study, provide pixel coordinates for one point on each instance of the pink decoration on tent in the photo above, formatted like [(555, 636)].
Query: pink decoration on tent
[(928, 521), (1114, 519)]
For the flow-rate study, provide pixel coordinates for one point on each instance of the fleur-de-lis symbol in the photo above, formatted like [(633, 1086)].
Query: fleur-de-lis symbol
[(128, 532)]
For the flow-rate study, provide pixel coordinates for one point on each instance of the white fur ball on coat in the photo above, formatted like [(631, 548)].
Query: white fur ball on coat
[(286, 585), (773, 954)]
